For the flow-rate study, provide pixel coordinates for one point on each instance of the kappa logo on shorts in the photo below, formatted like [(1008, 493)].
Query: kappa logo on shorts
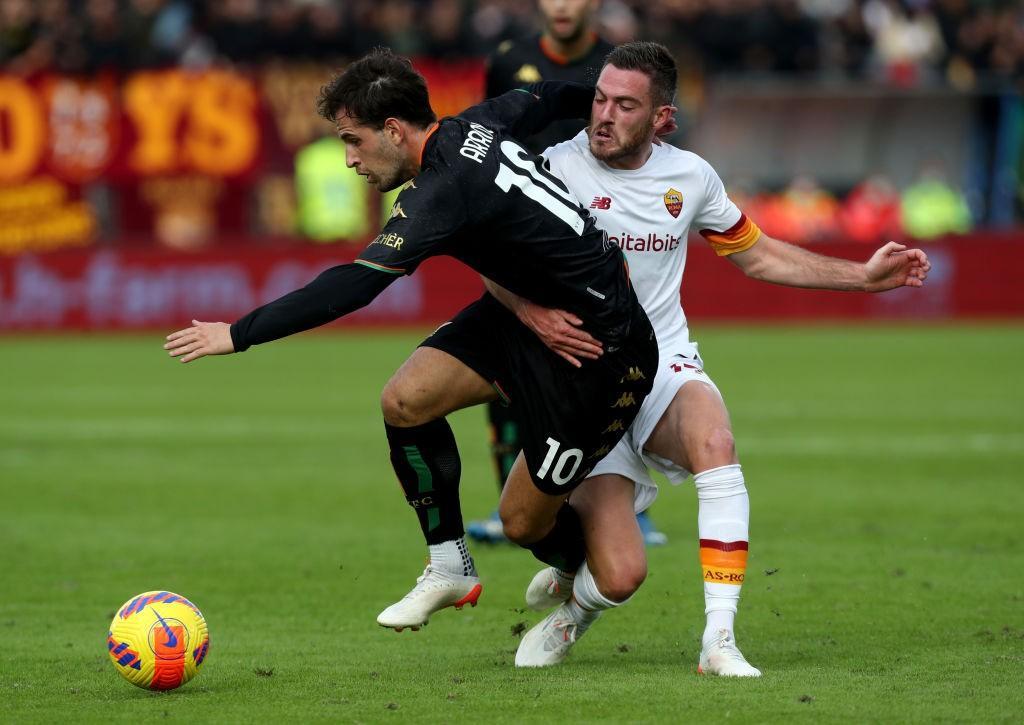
[(673, 202), (633, 375), (615, 427), (625, 400), (600, 452)]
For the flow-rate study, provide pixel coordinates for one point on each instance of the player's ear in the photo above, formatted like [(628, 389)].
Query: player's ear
[(394, 130)]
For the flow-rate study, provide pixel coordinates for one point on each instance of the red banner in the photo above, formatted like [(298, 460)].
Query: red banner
[(141, 289), (184, 157)]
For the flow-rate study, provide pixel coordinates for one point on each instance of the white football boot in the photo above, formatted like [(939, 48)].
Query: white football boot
[(434, 590), (550, 641), (722, 657), (548, 588)]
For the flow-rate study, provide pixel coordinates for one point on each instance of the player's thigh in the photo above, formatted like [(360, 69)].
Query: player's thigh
[(695, 431), (615, 546), (430, 385), (527, 513)]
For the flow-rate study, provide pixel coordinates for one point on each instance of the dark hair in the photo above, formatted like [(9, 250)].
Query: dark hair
[(378, 86), (654, 61)]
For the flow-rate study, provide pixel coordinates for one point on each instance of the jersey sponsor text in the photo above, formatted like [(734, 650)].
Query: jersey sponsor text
[(650, 243)]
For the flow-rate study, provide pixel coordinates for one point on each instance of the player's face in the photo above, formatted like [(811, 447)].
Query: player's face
[(622, 116), (372, 153), (567, 20)]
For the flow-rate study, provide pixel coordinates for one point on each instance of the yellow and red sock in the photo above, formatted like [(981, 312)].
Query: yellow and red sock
[(723, 521)]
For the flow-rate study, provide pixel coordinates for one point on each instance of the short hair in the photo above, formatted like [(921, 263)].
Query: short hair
[(378, 86), (653, 60)]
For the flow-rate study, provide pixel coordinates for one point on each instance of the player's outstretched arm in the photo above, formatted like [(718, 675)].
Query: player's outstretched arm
[(335, 293), (559, 330), (891, 266)]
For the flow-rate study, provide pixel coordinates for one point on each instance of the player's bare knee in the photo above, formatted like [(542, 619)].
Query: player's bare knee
[(621, 582), (718, 448), (399, 410), (519, 528)]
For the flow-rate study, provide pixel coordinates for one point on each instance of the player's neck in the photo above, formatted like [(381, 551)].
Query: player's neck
[(417, 140), (566, 51)]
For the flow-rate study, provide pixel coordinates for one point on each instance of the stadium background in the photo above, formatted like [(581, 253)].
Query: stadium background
[(160, 160), (159, 155)]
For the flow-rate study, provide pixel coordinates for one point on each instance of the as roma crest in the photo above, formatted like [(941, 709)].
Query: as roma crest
[(673, 202)]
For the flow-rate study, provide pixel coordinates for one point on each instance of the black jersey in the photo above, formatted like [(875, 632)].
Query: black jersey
[(481, 198), (518, 63)]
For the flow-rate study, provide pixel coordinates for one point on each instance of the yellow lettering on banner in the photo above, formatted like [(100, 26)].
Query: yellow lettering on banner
[(155, 101), (22, 129), (223, 135)]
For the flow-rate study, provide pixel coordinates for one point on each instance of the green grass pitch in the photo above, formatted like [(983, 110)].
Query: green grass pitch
[(886, 578)]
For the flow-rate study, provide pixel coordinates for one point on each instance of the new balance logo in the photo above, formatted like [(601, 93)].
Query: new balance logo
[(601, 202), (625, 400), (676, 368)]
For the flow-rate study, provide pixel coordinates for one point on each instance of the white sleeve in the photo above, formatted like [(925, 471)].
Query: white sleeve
[(717, 213), (719, 221)]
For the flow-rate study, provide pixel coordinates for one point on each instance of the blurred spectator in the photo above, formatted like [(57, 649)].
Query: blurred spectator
[(106, 43), (236, 28), (332, 198), (908, 40), (804, 212), (331, 33), (931, 207), (446, 32), (871, 212), (18, 29)]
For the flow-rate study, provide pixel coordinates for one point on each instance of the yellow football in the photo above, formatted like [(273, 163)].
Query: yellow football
[(158, 640)]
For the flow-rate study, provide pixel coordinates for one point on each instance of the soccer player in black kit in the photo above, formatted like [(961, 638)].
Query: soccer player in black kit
[(473, 193), (569, 49)]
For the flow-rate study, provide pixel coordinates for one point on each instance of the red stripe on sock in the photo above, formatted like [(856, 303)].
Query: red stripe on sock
[(724, 545)]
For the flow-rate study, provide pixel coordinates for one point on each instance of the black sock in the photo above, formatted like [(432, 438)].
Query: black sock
[(505, 444), (563, 546), (427, 464)]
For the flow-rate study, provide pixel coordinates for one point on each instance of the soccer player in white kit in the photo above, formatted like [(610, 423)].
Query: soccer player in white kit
[(647, 196)]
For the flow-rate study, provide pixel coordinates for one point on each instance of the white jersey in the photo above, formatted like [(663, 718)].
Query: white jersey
[(649, 212)]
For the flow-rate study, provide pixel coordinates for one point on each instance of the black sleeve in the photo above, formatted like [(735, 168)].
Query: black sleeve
[(524, 112), (426, 216), (335, 293)]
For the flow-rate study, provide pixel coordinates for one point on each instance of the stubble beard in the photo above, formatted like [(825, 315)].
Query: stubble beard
[(394, 172), (629, 146)]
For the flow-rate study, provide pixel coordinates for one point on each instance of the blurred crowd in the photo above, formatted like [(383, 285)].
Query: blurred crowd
[(874, 210), (962, 42)]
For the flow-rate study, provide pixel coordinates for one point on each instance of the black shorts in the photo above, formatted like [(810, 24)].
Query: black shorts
[(570, 417)]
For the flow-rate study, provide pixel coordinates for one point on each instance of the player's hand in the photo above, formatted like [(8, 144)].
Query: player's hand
[(894, 266), (561, 332), (200, 340)]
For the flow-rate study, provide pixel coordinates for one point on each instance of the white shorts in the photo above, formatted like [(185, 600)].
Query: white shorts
[(628, 457)]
